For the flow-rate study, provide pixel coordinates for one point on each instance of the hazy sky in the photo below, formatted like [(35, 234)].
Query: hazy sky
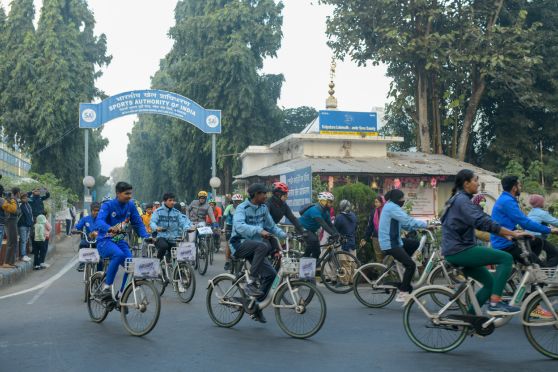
[(137, 39)]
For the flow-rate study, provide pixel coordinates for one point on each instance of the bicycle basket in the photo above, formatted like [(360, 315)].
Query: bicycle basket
[(143, 267), (88, 255), (290, 265), (548, 275)]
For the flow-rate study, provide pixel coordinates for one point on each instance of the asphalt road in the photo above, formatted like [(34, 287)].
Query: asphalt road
[(48, 329)]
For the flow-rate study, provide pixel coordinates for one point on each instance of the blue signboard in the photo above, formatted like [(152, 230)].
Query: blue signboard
[(300, 188), (94, 115), (346, 122)]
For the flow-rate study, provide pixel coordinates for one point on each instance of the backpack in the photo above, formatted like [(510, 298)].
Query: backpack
[(305, 208)]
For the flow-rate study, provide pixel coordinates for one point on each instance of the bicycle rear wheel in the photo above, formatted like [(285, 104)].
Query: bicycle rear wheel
[(423, 331), (337, 272), (184, 280), (223, 303), (366, 282), (97, 308), (202, 257), (302, 312), (543, 338), (141, 318)]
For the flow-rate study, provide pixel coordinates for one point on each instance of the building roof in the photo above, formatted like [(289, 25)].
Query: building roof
[(396, 163)]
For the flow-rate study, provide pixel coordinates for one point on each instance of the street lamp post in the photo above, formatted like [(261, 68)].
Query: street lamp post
[(88, 183)]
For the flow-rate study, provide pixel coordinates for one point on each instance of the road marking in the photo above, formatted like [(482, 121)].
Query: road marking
[(45, 284)]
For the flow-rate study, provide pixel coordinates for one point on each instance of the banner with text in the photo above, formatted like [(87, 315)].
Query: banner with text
[(347, 122), (300, 187), (94, 115)]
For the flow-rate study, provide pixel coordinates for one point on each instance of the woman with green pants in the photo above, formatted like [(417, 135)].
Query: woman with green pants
[(459, 222)]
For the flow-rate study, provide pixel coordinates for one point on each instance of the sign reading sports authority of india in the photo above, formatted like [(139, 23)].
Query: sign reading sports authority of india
[(94, 115), (348, 123)]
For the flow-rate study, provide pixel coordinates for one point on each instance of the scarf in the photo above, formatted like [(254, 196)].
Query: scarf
[(377, 214)]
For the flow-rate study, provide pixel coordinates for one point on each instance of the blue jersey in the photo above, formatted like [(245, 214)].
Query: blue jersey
[(87, 223), (113, 213), (307, 220)]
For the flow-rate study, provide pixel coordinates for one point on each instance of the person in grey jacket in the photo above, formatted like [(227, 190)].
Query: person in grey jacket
[(459, 221)]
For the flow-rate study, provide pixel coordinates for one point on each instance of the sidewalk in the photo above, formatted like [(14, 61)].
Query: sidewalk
[(9, 277)]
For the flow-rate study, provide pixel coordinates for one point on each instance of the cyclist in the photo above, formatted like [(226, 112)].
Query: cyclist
[(312, 218), (217, 212), (346, 223), (278, 207), (538, 214), (392, 220), (87, 223), (507, 213), (459, 221), (200, 209), (252, 229), (228, 216), (169, 224), (146, 217), (183, 208), (110, 224)]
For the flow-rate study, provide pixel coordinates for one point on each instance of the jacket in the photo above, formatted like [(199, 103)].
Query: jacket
[(37, 203), (279, 209), (459, 222), (229, 214), (26, 218), (87, 222), (315, 217), (7, 208), (346, 225), (172, 220), (507, 213), (217, 213), (249, 221), (113, 213), (543, 217), (197, 212), (146, 218), (40, 229), (392, 220)]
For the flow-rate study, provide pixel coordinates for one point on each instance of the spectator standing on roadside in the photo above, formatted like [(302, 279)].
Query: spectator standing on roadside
[(24, 226), (39, 242), (36, 200), (12, 214)]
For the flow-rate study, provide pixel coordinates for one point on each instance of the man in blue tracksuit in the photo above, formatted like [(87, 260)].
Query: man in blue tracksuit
[(169, 223), (392, 220), (111, 224), (87, 223), (252, 229), (507, 213)]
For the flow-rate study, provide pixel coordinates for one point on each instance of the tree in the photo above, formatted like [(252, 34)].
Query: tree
[(295, 120), (441, 56)]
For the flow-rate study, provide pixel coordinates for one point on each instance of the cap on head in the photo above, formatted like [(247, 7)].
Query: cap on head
[(256, 188)]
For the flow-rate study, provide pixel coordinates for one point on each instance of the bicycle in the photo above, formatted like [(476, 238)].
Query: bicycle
[(442, 328), (204, 254), (137, 299), (337, 267), (293, 299), (90, 257), (376, 284)]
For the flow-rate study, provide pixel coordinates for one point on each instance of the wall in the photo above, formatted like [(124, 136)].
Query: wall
[(253, 161)]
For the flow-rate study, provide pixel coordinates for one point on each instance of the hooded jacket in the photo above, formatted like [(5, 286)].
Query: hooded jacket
[(249, 221), (346, 225), (170, 219), (392, 220), (40, 229), (197, 212)]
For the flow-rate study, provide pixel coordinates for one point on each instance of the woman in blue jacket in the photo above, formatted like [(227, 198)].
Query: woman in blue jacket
[(346, 225)]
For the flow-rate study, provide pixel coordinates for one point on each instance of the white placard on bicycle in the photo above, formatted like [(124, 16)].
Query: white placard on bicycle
[(147, 268), (206, 230), (89, 255), (307, 268), (186, 251)]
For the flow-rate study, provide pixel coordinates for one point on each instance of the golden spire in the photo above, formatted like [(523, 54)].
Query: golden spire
[(331, 101)]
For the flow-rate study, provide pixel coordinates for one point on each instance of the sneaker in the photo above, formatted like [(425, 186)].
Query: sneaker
[(105, 294), (227, 266), (259, 317), (45, 265), (37, 267), (252, 291), (402, 297), (80, 267), (181, 288), (540, 313), (26, 258), (502, 309)]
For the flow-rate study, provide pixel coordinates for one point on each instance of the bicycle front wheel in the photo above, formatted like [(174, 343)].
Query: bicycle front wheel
[(223, 301), (203, 257), (87, 272), (374, 285), (426, 332), (544, 338), (300, 312), (96, 307), (184, 280), (337, 272), (142, 307)]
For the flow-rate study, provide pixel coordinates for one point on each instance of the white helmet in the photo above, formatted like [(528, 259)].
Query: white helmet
[(182, 204), (325, 195), (237, 197)]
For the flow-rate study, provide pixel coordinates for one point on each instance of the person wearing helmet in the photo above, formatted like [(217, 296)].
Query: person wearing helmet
[(315, 217), (278, 207), (236, 199), (184, 208), (250, 239), (199, 209), (217, 212), (87, 223)]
